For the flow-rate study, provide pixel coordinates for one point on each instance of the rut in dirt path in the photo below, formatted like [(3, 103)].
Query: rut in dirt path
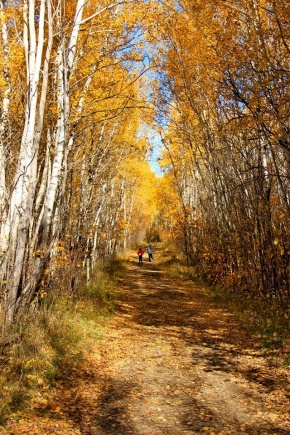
[(171, 362)]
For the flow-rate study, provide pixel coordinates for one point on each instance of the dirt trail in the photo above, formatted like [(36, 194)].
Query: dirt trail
[(171, 363)]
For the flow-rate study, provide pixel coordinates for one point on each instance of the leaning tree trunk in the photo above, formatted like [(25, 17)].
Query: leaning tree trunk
[(20, 211)]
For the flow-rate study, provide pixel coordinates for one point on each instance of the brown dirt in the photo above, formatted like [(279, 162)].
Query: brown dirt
[(171, 362)]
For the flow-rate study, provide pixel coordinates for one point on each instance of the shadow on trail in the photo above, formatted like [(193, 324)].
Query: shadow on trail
[(159, 301), (149, 303), (182, 309), (111, 412), (106, 415)]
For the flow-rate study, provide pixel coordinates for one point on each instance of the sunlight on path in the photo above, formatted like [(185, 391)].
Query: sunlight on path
[(171, 363)]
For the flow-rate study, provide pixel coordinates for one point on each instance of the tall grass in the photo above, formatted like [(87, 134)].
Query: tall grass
[(53, 339)]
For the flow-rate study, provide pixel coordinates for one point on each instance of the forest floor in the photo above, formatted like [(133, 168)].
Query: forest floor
[(170, 362)]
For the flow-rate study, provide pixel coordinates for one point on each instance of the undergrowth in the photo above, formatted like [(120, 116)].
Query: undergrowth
[(265, 319), (53, 340), (175, 264)]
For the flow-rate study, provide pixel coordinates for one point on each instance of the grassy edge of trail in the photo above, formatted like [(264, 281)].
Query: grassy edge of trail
[(56, 337), (262, 318), (53, 340)]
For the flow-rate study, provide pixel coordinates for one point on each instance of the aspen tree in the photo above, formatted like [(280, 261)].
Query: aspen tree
[(33, 221), (224, 94), (3, 131)]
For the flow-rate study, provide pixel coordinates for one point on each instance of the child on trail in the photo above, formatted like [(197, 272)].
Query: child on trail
[(150, 252), (140, 254)]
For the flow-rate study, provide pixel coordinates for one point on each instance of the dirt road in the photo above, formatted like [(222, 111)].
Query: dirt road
[(171, 363)]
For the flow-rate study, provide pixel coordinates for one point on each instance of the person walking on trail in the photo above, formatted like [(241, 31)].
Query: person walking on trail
[(150, 252), (140, 254)]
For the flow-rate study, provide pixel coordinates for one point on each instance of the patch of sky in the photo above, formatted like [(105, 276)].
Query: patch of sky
[(136, 56), (156, 150)]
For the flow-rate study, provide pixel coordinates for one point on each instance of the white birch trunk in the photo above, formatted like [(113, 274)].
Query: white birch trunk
[(128, 219), (20, 212), (59, 167), (4, 230), (38, 209)]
